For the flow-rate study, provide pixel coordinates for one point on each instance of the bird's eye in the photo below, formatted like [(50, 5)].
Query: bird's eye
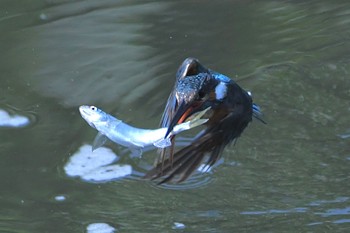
[(93, 108)]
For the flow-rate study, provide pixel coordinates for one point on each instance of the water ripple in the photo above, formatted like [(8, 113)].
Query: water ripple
[(276, 211)]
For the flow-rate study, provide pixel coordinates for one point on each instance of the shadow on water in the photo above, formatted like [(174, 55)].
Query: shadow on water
[(290, 175)]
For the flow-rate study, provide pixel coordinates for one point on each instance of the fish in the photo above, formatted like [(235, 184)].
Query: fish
[(109, 127)]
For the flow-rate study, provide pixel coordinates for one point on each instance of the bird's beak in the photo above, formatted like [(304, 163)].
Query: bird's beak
[(183, 112)]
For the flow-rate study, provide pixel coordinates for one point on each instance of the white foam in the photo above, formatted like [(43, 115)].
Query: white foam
[(94, 165), (107, 173), (178, 226), (6, 120), (100, 228)]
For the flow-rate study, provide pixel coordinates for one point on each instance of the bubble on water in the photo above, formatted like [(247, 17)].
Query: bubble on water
[(100, 228), (94, 166), (15, 121)]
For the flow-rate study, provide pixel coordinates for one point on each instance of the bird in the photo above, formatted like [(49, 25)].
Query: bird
[(231, 110)]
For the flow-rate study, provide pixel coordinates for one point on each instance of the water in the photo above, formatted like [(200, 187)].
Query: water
[(291, 175)]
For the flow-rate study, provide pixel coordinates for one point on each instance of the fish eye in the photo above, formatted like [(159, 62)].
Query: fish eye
[(93, 108)]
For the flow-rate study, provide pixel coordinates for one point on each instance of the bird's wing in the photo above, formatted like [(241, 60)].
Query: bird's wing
[(189, 66)]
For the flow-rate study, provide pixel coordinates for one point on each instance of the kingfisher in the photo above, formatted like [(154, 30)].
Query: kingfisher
[(231, 109)]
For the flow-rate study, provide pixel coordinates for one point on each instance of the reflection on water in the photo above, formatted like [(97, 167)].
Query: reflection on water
[(115, 62), (289, 175), (311, 209)]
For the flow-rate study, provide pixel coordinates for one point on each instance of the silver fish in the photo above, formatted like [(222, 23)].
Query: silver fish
[(129, 136)]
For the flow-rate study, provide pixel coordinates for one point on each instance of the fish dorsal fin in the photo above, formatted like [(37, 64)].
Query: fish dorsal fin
[(99, 141)]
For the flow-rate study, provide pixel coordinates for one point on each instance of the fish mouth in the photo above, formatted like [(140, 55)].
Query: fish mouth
[(184, 111), (85, 112)]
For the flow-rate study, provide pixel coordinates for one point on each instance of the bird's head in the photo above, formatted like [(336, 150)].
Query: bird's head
[(191, 92)]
